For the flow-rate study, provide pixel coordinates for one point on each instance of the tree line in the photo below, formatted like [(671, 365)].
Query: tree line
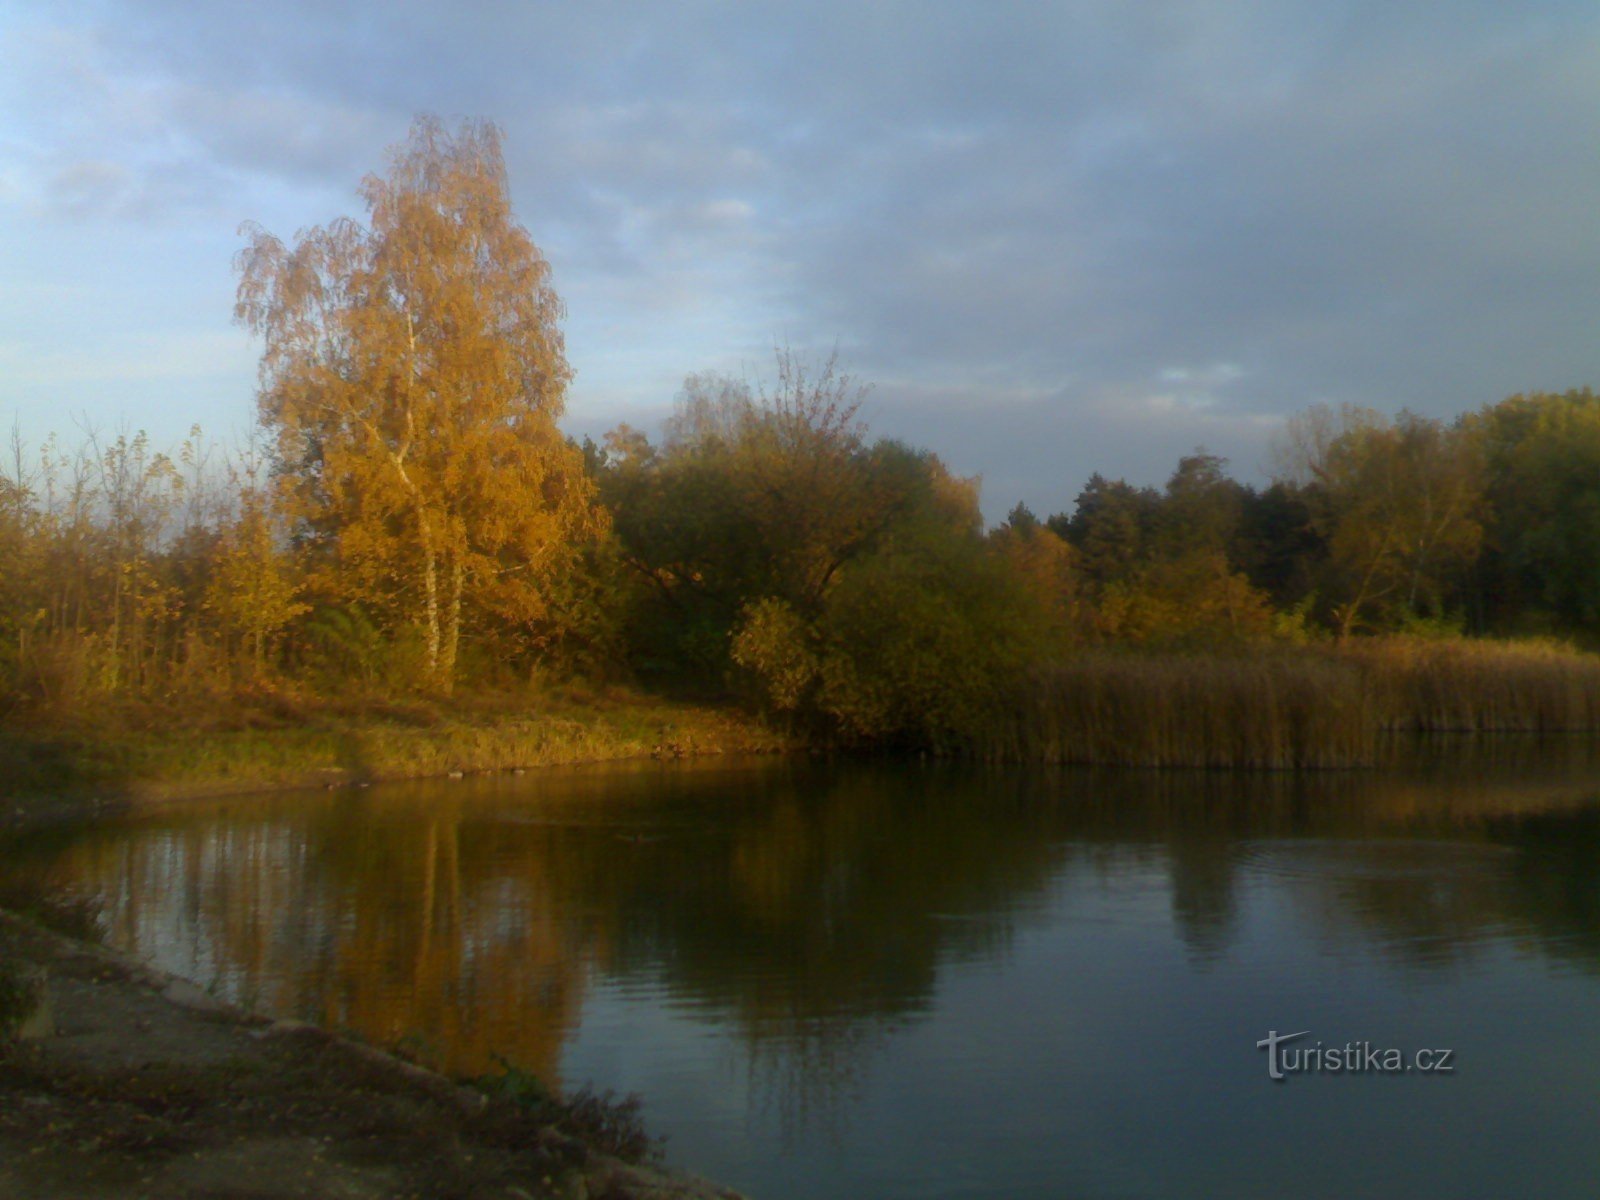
[(413, 518)]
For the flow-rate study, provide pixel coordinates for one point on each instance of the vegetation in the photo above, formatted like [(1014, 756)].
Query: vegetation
[(1457, 685), (276, 739), (415, 526), (1201, 710), (412, 376), (600, 1120), (1323, 705)]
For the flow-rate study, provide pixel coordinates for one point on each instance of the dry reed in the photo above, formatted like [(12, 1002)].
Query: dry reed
[(1327, 706)]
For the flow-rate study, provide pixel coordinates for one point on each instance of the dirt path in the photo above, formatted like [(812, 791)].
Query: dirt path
[(147, 1088)]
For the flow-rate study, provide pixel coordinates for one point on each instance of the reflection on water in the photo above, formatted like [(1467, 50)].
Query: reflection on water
[(913, 980)]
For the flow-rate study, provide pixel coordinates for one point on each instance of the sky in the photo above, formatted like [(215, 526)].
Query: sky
[(1055, 239)]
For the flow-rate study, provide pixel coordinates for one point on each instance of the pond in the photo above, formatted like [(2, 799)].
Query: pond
[(919, 980)]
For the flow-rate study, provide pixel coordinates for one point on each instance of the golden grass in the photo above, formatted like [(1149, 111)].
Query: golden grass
[(1480, 686), (1195, 710), (1331, 705), (274, 741), (1319, 706)]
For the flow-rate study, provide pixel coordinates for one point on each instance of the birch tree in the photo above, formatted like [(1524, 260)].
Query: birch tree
[(412, 374)]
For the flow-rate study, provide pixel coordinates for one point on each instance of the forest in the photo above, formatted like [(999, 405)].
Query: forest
[(411, 521)]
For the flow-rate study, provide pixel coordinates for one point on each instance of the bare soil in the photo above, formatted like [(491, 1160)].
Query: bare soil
[(148, 1088)]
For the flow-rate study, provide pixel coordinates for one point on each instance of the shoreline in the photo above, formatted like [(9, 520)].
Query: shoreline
[(66, 774), (133, 1081), (84, 1083), (139, 1082)]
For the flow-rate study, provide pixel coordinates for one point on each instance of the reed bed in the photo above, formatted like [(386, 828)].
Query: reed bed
[(1194, 711), (1480, 686), (1309, 707)]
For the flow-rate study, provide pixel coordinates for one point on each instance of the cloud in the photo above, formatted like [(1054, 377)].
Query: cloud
[(271, 132), (1039, 447), (1064, 239), (89, 186)]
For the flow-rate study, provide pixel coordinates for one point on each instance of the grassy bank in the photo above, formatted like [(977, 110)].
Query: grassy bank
[(271, 739), (1319, 706), (1328, 705)]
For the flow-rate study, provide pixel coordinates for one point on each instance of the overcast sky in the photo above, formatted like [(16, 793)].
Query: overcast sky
[(1058, 239)]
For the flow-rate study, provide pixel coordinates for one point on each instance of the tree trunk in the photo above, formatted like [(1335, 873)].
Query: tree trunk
[(452, 629), (430, 594)]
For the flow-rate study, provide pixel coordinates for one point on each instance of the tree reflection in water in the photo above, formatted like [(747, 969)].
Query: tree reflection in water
[(812, 908)]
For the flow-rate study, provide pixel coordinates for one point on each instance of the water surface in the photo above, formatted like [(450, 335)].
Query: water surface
[(919, 981)]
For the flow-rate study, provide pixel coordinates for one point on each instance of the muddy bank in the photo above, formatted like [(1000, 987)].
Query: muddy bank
[(138, 1084)]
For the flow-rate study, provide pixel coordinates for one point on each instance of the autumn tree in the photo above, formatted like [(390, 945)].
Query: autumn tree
[(252, 593), (413, 373), (1047, 564), (20, 550), (761, 489), (920, 634), (1541, 568), (1397, 500), (1163, 567)]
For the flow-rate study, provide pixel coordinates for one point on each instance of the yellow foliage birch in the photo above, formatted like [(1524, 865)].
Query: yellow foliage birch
[(413, 373)]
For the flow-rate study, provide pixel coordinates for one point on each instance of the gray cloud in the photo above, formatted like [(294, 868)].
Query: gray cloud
[(1063, 238)]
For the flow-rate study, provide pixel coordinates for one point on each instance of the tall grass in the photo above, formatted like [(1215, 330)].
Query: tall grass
[(1194, 710), (1320, 706), (271, 740), (1469, 686)]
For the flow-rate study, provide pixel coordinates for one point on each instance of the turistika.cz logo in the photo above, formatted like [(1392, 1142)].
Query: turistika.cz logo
[(1351, 1058)]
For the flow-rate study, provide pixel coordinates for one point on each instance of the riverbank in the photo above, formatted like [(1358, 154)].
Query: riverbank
[(1269, 706), (82, 766), (141, 1084), (133, 1083)]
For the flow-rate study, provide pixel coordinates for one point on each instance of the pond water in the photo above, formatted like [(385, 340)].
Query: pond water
[(906, 980)]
